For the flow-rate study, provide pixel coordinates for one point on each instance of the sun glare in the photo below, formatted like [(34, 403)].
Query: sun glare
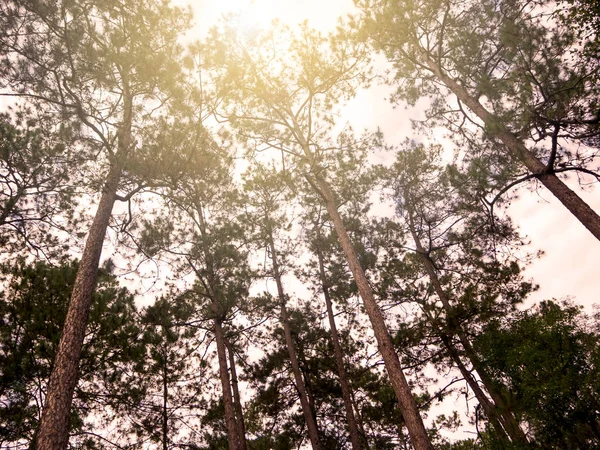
[(255, 15)]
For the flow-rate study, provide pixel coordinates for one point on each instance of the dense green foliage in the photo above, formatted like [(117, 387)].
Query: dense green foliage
[(32, 310), (548, 357)]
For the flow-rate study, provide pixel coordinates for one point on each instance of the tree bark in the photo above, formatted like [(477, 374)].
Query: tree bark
[(165, 412), (410, 412), (237, 403), (53, 431), (233, 439), (488, 407), (305, 372), (232, 429), (339, 355), (311, 424), (497, 412), (580, 209)]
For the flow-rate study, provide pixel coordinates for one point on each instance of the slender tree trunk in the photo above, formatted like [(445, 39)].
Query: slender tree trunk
[(305, 371), (360, 423), (233, 438), (502, 408), (232, 428), (311, 424), (33, 444), (339, 355), (488, 407), (165, 412), (499, 409), (237, 403), (580, 209), (410, 412), (500, 417)]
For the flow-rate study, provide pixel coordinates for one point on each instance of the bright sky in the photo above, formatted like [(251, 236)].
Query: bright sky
[(321, 14), (570, 264)]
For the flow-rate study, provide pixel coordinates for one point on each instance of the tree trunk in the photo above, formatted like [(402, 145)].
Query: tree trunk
[(237, 403), (339, 355), (360, 423), (499, 409), (232, 429), (53, 431), (488, 407), (165, 412), (580, 209), (410, 412), (309, 417), (233, 439), (305, 372)]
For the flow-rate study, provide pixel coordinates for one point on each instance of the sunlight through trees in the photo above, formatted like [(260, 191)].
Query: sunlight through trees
[(314, 285)]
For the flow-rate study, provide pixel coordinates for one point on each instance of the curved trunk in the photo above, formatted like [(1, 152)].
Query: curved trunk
[(237, 404), (580, 209), (309, 417), (339, 357), (410, 412)]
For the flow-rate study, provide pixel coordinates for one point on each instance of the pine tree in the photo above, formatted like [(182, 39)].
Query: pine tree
[(171, 375), (461, 252), (265, 194), (203, 234), (328, 271), (102, 64), (507, 65), (36, 184), (33, 307)]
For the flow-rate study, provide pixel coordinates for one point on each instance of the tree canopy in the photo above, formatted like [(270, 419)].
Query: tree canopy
[(314, 285)]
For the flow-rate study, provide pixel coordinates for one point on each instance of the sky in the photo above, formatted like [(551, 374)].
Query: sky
[(321, 14)]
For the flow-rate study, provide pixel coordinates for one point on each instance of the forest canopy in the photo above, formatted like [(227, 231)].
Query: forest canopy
[(203, 247)]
